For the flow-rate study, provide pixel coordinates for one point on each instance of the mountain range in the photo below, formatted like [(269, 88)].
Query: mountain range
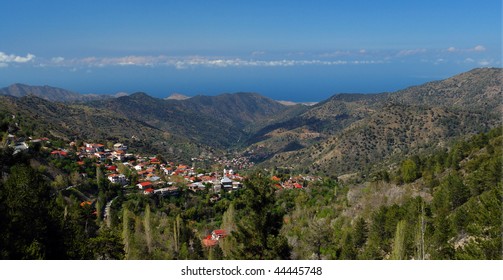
[(346, 133), (53, 93)]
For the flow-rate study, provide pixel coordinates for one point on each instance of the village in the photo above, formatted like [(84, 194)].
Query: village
[(153, 175), (158, 177)]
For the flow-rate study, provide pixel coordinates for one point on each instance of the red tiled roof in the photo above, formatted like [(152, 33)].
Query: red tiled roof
[(209, 242), (149, 190), (84, 203), (145, 184), (61, 153), (220, 232)]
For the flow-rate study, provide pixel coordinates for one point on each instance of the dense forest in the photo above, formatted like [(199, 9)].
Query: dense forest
[(442, 205)]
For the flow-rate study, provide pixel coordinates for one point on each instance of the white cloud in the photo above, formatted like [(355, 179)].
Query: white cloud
[(11, 58), (257, 53), (410, 52), (479, 48), (336, 53), (58, 59), (20, 59), (237, 62), (3, 65), (199, 61), (484, 62)]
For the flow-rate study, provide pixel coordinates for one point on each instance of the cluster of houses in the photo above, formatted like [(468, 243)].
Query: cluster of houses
[(163, 178), (292, 183), (98, 151), (20, 144), (239, 162), (197, 182), (154, 176)]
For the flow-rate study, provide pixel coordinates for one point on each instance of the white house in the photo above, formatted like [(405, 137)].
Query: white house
[(226, 182), (117, 178)]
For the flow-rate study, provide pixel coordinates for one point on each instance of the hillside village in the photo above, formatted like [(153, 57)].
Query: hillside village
[(150, 175)]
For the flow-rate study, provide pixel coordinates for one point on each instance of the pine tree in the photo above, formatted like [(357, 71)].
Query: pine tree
[(398, 252), (26, 201), (257, 235), (318, 235), (348, 250), (409, 171), (229, 225), (125, 231), (361, 232), (148, 230)]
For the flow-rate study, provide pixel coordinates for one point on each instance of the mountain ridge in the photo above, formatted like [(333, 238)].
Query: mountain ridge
[(345, 133), (52, 93)]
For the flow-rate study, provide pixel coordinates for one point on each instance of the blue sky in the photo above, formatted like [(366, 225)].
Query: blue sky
[(289, 50)]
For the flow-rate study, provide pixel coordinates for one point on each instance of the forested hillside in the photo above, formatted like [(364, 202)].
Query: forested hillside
[(444, 205), (351, 133)]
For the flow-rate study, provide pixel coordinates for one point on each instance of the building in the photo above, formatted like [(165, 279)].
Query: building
[(144, 185), (226, 183), (117, 179)]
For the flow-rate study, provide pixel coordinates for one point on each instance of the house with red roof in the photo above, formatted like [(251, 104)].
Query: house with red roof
[(119, 155), (143, 185), (59, 153), (297, 185), (208, 242), (148, 191), (111, 168), (216, 235)]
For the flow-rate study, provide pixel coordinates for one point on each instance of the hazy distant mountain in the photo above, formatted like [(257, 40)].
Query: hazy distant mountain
[(177, 96), (50, 93), (291, 103)]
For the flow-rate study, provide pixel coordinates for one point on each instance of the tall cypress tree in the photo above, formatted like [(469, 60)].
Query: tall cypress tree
[(257, 235)]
